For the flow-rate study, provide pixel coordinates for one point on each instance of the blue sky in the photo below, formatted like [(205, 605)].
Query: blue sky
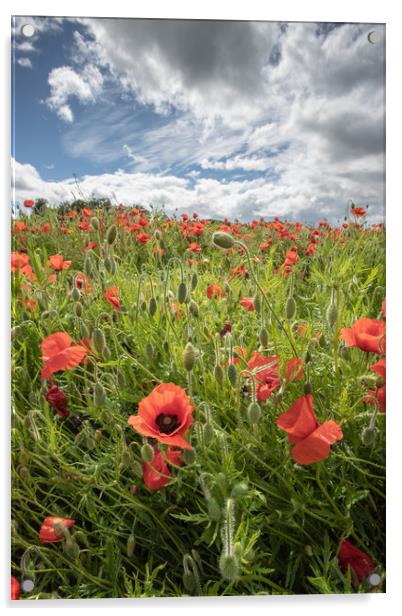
[(237, 119)]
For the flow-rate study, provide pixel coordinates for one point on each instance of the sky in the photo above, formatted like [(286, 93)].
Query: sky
[(229, 119)]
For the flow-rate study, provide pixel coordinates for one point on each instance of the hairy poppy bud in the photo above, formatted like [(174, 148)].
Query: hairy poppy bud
[(229, 566), (137, 469), (322, 342), (218, 374), (307, 357), (111, 234), (152, 306), (182, 292), (332, 314), (369, 435), (95, 223), (290, 308), (222, 240), (147, 453), (78, 309), (257, 303), (15, 331), (214, 511), (308, 550), (209, 433), (98, 435), (130, 545), (71, 548), (254, 412), (121, 379), (189, 357), (99, 396), (75, 294), (194, 281), (88, 266), (98, 340), (194, 309), (149, 351), (232, 375), (110, 265)]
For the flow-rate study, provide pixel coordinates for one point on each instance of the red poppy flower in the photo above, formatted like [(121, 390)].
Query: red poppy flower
[(157, 474), (247, 303), (359, 212), (82, 283), (266, 373), (57, 263), (58, 354), (49, 534), (311, 441), (165, 414), (377, 396), (15, 589), (194, 247), (58, 400), (29, 203), (112, 296), (19, 225), (143, 238), (351, 556), (214, 291), (366, 334), (90, 246)]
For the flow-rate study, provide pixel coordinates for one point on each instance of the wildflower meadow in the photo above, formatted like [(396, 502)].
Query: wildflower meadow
[(198, 406)]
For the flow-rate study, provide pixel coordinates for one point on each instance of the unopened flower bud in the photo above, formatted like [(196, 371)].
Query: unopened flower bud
[(182, 292), (110, 265), (99, 396), (229, 566), (98, 340), (239, 489), (137, 469), (254, 412), (147, 453), (75, 294), (149, 351), (111, 235), (152, 306), (263, 336), (222, 240), (95, 223), (290, 308), (257, 303), (369, 435), (209, 433), (194, 309), (78, 309), (194, 281), (332, 314), (218, 374), (130, 545), (189, 357)]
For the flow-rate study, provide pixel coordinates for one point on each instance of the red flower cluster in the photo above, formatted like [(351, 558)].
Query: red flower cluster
[(266, 373), (112, 296)]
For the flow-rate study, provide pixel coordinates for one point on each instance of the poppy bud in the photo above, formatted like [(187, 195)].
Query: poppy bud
[(307, 388), (232, 375), (189, 357), (194, 309), (257, 303), (15, 331), (137, 469), (214, 511), (194, 281), (152, 306), (95, 223), (332, 314), (98, 340), (263, 335), (130, 545), (98, 435), (111, 235), (121, 379), (88, 266), (229, 566), (78, 309), (239, 489), (149, 351), (75, 294), (209, 433), (218, 374), (322, 342), (254, 412), (126, 458), (222, 240), (99, 396), (188, 576), (307, 357), (147, 453), (23, 472), (71, 548), (369, 435), (182, 292), (290, 308), (110, 265)]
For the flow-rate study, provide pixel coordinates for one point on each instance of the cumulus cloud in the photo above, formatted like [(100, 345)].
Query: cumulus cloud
[(65, 83), (26, 62)]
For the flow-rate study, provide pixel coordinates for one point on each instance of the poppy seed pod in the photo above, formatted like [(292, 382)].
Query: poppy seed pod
[(152, 306), (130, 545), (263, 336), (232, 375), (254, 412), (95, 223), (99, 396), (194, 281), (222, 240), (111, 234), (189, 357), (75, 294), (147, 453), (290, 310), (98, 340), (182, 292), (332, 314)]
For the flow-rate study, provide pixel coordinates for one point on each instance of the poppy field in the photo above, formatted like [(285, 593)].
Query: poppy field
[(198, 406)]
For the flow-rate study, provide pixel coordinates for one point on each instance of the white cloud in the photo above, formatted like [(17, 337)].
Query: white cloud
[(26, 62), (66, 83)]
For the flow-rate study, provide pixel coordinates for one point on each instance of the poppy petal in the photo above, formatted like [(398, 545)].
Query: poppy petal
[(55, 343), (300, 420), (316, 446)]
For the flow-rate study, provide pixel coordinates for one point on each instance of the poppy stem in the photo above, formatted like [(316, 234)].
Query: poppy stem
[(327, 496)]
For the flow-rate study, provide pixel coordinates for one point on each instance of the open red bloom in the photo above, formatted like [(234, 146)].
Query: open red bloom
[(58, 400), (351, 556), (112, 296), (58, 354), (20, 263), (194, 247), (29, 203), (247, 303), (214, 291), (82, 283), (57, 263), (359, 212), (311, 441), (157, 474), (379, 393), (165, 414), (366, 334), (49, 532), (266, 371), (15, 589)]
